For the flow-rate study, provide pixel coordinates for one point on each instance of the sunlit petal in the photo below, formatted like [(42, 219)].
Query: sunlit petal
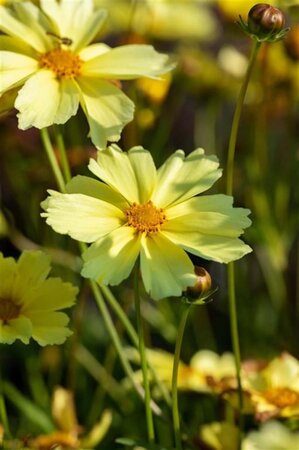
[(166, 269), (110, 260)]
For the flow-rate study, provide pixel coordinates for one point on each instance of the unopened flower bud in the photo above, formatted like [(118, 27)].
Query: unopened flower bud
[(291, 43), (202, 285), (265, 23), (264, 19)]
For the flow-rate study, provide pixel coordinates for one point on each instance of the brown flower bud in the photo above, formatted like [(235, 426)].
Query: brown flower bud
[(202, 285), (264, 20), (291, 43)]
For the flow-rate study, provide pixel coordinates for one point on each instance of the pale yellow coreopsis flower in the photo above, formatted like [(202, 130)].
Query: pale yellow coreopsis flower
[(274, 390), (30, 303), (272, 435), (157, 215), (48, 56)]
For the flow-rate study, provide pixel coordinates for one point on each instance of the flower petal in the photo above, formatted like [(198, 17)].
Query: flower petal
[(95, 188), (75, 19), (114, 167), (15, 69), (15, 45), (44, 100), (110, 260), (92, 51), (145, 172), (212, 215), (53, 294), (166, 269), (107, 110), (128, 62), (180, 178), (50, 328), (10, 24), (8, 270), (216, 248), (19, 328), (82, 217)]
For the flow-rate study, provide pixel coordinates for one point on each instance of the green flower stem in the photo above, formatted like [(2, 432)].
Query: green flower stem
[(143, 360), (236, 121), (133, 337), (62, 152), (229, 191), (52, 159), (175, 369)]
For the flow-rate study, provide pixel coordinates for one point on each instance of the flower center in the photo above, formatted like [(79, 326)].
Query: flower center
[(8, 310), (145, 218), (282, 397), (62, 62)]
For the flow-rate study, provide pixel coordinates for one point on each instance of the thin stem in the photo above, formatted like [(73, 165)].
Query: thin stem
[(175, 370), (229, 191), (133, 337), (142, 351), (3, 415), (117, 344), (62, 152), (236, 121), (52, 158)]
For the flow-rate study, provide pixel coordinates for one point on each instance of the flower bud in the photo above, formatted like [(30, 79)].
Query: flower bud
[(202, 285), (265, 23), (264, 19), (291, 43)]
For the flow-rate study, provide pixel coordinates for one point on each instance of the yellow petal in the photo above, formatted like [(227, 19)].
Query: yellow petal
[(92, 51), (15, 69), (128, 62), (166, 269), (52, 294), (180, 177), (19, 328), (110, 260), (8, 269), (82, 217), (107, 110), (95, 188), (145, 172), (114, 167), (44, 100), (75, 19), (13, 27), (50, 328)]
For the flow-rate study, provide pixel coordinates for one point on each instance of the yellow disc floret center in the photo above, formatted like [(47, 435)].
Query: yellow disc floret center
[(282, 397), (8, 310), (63, 63), (145, 218)]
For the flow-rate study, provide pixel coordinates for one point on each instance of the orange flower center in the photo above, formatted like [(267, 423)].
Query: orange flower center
[(63, 63), (282, 397), (8, 310), (145, 218)]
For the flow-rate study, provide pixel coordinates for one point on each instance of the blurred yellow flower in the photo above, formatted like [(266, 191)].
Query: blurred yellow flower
[(30, 303), (219, 436), (274, 390), (156, 215), (46, 54), (272, 435)]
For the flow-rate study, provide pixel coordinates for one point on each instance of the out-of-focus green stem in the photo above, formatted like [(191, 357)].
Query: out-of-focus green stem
[(3, 413), (143, 360), (62, 152), (229, 191), (52, 158), (175, 369)]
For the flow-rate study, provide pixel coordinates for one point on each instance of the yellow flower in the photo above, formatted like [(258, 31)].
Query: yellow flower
[(29, 302), (274, 390), (46, 54), (155, 214), (272, 435), (219, 436)]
